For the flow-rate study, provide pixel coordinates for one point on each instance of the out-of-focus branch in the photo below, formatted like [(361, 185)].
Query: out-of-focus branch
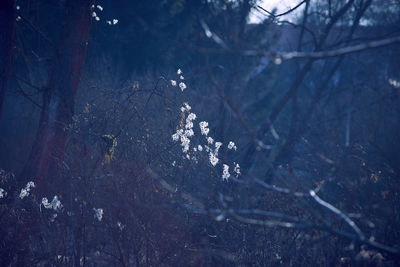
[(279, 58), (335, 210), (27, 96), (287, 221)]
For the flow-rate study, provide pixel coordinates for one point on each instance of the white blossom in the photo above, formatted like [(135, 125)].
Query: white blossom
[(94, 14), (25, 191), (189, 133), (99, 7), (98, 214), (45, 203), (179, 72), (18, 18), (55, 204), (173, 163), (236, 169), (213, 159), (108, 22), (181, 77), (120, 226), (17, 7), (394, 83), (191, 116), (3, 193), (213, 155), (186, 107), (185, 142), (204, 128), (189, 121), (173, 82), (225, 172), (210, 140), (175, 137), (115, 21), (183, 137), (182, 85), (200, 148), (97, 18), (217, 146), (232, 145)]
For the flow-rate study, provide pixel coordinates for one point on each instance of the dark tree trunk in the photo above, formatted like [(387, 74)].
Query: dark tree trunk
[(7, 24), (59, 98)]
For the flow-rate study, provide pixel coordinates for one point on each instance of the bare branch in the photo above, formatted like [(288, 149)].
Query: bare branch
[(278, 58), (284, 13), (335, 210)]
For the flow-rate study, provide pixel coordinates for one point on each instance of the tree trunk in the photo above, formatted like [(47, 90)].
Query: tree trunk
[(7, 24), (59, 98)]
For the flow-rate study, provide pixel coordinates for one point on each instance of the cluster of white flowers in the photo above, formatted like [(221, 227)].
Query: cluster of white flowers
[(112, 22), (97, 18), (121, 226), (394, 83), (25, 191), (18, 18), (189, 121), (94, 15), (225, 172), (210, 140), (232, 145), (98, 214), (213, 158), (185, 132), (182, 85), (204, 128), (55, 204), (3, 193), (213, 154), (236, 169)]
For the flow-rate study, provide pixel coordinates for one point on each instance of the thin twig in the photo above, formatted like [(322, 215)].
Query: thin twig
[(284, 13)]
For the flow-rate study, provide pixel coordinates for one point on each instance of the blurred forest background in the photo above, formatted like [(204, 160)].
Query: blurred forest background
[(177, 133)]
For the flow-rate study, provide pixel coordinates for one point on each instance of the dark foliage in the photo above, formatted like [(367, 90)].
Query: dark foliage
[(99, 101)]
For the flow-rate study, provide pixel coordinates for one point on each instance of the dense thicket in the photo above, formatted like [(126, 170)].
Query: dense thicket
[(176, 133)]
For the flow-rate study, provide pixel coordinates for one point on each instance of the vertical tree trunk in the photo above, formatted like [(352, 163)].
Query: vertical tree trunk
[(7, 25), (59, 99)]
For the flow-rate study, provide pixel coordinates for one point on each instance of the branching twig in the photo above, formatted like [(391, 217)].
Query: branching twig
[(284, 13)]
